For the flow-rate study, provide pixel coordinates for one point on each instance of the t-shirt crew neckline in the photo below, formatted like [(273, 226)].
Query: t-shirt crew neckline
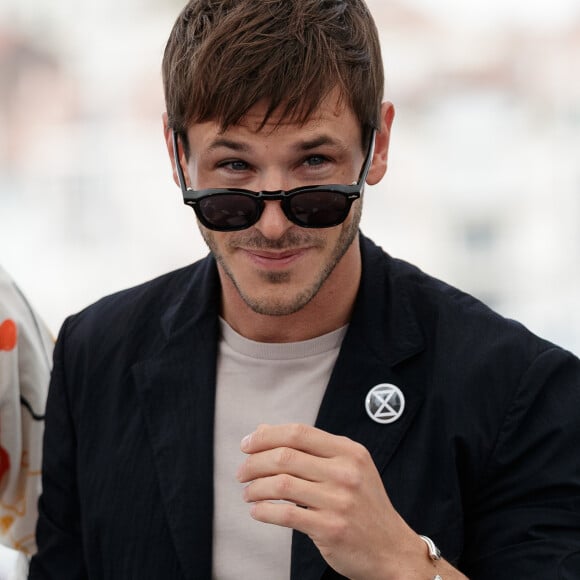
[(281, 350)]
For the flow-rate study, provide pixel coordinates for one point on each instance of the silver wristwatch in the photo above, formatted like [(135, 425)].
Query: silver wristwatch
[(434, 552)]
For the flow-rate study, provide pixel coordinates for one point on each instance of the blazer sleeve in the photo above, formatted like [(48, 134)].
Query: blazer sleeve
[(525, 522), (58, 532)]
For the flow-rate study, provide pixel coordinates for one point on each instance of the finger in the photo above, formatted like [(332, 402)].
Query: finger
[(296, 436), (287, 515), (284, 460), (287, 488)]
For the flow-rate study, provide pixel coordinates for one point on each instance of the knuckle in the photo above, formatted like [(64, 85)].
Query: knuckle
[(345, 504), (287, 512), (283, 485), (298, 432), (360, 454), (285, 457), (350, 478)]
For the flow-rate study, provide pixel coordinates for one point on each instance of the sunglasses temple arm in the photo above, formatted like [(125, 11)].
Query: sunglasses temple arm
[(369, 158), (180, 174)]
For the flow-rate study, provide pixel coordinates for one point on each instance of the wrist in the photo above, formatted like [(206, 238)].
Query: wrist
[(433, 553), (418, 558), (415, 557), (421, 561)]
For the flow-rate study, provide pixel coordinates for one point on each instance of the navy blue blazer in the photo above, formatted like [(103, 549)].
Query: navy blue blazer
[(485, 459)]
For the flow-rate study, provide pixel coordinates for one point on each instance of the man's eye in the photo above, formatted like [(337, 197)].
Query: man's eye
[(235, 165), (315, 160)]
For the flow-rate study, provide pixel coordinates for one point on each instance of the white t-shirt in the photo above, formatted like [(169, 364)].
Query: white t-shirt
[(257, 383)]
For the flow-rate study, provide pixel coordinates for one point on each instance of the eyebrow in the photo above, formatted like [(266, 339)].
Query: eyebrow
[(319, 142), (222, 142), (306, 145)]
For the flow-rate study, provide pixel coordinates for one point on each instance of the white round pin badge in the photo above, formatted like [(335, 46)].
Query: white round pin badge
[(385, 403)]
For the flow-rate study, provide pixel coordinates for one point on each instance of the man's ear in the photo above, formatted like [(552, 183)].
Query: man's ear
[(168, 136), (381, 154)]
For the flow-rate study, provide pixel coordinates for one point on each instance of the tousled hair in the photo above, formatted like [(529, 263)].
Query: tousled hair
[(225, 56)]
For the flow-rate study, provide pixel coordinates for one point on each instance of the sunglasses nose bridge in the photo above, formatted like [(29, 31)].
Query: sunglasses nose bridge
[(272, 195), (284, 204), (273, 220)]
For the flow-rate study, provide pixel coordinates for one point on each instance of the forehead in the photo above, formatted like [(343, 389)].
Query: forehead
[(333, 107), (333, 116)]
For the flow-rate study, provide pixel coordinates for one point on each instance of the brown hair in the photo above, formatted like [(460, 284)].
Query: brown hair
[(224, 56)]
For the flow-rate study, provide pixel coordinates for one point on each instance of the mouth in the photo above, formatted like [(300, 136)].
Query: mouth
[(272, 260)]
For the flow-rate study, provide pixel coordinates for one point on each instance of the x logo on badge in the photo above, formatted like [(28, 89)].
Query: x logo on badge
[(385, 403)]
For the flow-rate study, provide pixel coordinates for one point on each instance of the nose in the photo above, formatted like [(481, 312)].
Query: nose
[(273, 223)]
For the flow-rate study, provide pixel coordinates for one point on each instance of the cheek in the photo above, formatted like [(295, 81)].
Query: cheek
[(209, 238), (221, 244), (354, 215)]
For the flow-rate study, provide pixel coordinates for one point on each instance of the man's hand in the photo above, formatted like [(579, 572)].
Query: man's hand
[(334, 494)]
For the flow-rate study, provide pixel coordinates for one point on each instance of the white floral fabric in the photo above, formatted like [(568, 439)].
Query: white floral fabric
[(25, 362)]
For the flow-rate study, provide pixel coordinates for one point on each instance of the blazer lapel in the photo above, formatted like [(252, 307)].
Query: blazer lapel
[(382, 334), (176, 388)]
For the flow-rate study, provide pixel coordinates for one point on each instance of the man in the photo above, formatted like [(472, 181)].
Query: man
[(25, 353), (379, 412)]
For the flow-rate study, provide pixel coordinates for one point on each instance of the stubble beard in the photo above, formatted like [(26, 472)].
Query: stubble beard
[(253, 239)]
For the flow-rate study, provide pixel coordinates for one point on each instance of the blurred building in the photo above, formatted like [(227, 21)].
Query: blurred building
[(483, 188)]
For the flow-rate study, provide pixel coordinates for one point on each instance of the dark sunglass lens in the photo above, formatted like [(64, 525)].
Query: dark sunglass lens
[(318, 209), (229, 211)]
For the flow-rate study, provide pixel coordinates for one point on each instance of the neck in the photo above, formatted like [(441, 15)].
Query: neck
[(329, 309)]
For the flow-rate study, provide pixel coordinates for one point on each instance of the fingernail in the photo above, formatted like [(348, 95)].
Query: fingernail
[(246, 442), (253, 509)]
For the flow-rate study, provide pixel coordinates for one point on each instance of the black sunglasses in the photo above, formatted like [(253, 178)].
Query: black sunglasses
[(312, 206)]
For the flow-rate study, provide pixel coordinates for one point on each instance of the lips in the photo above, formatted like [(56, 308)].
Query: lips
[(269, 259), (274, 255)]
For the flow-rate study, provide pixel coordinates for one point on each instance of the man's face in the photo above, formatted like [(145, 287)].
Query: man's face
[(276, 266)]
